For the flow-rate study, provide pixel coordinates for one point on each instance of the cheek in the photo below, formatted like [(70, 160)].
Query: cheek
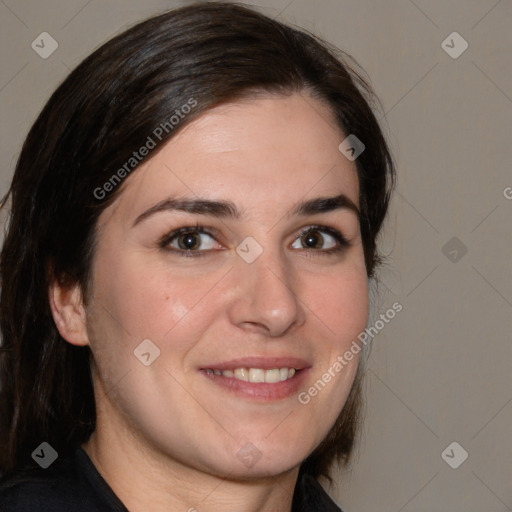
[(340, 302), (142, 300), (136, 301), (342, 310), (339, 311)]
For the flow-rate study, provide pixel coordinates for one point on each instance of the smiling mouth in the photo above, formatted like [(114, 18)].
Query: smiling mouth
[(255, 375)]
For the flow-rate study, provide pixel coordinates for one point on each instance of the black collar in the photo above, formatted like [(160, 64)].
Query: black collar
[(309, 496)]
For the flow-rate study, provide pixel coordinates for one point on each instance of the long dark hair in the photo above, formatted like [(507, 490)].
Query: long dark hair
[(205, 54)]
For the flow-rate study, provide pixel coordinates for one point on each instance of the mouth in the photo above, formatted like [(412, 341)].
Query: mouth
[(261, 379), (256, 375)]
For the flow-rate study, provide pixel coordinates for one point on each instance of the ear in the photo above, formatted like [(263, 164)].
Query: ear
[(66, 303)]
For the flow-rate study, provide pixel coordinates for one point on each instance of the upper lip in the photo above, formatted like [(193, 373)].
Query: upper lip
[(265, 363)]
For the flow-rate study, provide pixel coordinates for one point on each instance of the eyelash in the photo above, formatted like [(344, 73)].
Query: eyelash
[(343, 243)]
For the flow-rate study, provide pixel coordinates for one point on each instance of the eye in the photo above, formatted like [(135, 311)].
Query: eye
[(189, 239), (320, 238)]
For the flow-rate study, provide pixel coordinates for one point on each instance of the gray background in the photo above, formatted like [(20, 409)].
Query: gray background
[(440, 371)]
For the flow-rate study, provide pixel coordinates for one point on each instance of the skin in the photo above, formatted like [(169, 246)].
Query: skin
[(166, 435)]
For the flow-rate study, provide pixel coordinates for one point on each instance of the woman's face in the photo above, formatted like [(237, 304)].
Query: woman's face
[(226, 251)]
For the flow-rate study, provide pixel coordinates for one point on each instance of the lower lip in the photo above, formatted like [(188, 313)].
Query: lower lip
[(260, 391)]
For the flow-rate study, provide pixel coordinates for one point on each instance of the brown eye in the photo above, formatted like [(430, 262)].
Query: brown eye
[(312, 239), (320, 239), (189, 241)]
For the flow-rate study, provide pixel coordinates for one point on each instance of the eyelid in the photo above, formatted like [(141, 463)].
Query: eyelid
[(335, 233), (197, 229), (164, 242)]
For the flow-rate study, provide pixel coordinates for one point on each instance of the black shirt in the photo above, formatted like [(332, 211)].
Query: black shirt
[(72, 483)]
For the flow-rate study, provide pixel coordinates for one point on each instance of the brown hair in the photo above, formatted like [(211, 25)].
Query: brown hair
[(103, 111)]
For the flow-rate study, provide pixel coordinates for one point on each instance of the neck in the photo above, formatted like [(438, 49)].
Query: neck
[(144, 479)]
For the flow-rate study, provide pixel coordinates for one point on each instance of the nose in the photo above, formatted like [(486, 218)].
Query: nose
[(265, 296)]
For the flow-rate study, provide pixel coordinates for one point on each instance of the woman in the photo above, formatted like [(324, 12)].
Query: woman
[(193, 226)]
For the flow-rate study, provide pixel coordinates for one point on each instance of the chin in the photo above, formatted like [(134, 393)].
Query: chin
[(246, 460), (265, 467), (261, 458)]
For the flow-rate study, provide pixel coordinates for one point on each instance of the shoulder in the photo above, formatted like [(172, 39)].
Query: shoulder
[(40, 496), (310, 496), (57, 488)]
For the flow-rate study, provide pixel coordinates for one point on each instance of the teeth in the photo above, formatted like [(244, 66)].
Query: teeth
[(242, 374), (272, 375), (256, 375)]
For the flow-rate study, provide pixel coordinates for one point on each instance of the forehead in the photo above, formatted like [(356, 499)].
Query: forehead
[(257, 151)]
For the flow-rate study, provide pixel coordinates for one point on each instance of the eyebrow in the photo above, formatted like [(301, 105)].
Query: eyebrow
[(326, 204), (227, 209)]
